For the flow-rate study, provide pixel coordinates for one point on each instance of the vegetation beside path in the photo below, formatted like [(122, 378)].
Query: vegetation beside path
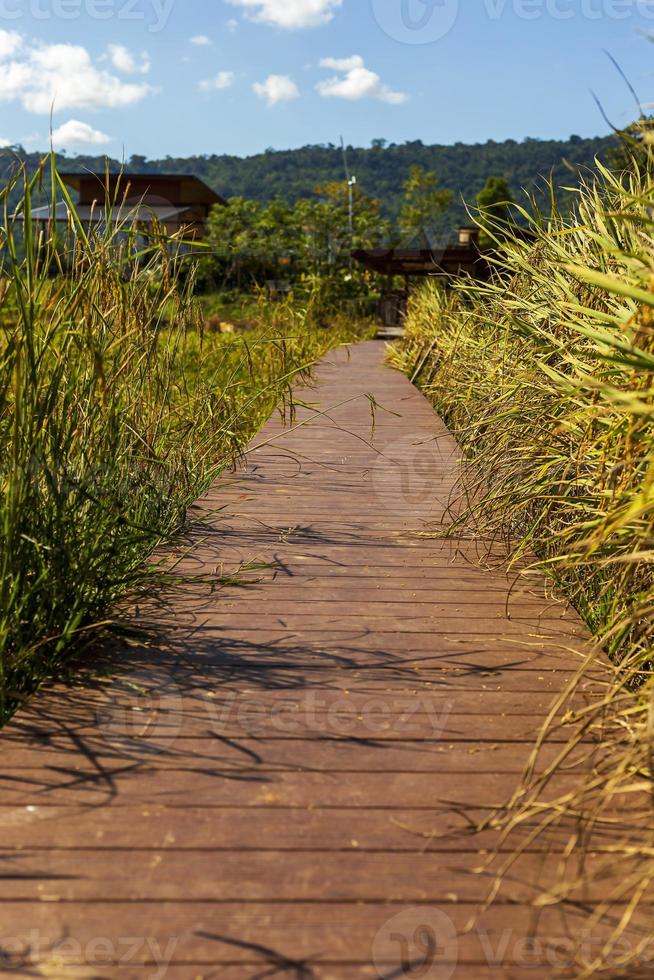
[(546, 375), (117, 407)]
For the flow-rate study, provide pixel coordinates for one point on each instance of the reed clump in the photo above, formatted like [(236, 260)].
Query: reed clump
[(116, 410), (546, 375)]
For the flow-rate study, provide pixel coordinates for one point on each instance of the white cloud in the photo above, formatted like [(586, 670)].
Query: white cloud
[(291, 14), (232, 25), (221, 81), (75, 132), (343, 64), (123, 60), (276, 89), (200, 41), (41, 75), (10, 43), (4, 143), (355, 82)]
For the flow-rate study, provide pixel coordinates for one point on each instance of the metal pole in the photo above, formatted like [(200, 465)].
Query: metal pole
[(351, 184)]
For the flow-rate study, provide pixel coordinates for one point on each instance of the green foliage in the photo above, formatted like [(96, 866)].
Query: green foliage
[(495, 196), (634, 148), (251, 242), (116, 409), (424, 204), (494, 210)]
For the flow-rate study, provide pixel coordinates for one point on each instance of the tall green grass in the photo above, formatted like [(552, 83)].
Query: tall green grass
[(116, 409), (546, 375)]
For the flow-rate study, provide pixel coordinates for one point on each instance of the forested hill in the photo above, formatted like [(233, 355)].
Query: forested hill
[(380, 169)]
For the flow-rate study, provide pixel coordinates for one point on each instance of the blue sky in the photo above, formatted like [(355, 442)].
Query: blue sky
[(180, 77)]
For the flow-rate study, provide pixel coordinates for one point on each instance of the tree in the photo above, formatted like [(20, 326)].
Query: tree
[(424, 203), (633, 149), (249, 241), (495, 199), (253, 242), (494, 204)]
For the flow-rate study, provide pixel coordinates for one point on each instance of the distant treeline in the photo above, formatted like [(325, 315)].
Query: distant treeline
[(381, 169)]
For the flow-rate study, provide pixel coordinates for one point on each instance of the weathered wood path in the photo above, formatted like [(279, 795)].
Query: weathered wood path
[(278, 783)]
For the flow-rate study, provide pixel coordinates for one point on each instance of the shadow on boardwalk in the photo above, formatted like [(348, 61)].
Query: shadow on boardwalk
[(286, 779)]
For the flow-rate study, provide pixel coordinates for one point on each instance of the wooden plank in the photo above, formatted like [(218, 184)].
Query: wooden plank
[(245, 695), (277, 933), (156, 827), (117, 717), (359, 650), (347, 971), (303, 624), (231, 876), (296, 754), (131, 782), (123, 876), (376, 725), (382, 607)]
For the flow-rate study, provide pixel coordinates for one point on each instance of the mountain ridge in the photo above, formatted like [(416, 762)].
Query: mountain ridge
[(380, 169)]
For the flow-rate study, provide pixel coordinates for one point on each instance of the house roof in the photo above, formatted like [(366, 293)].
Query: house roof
[(451, 261), (192, 189), (143, 214)]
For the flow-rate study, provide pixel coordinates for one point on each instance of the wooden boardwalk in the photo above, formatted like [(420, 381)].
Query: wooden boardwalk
[(278, 782)]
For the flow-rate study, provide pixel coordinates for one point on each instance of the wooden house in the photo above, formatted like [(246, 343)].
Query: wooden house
[(177, 203)]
